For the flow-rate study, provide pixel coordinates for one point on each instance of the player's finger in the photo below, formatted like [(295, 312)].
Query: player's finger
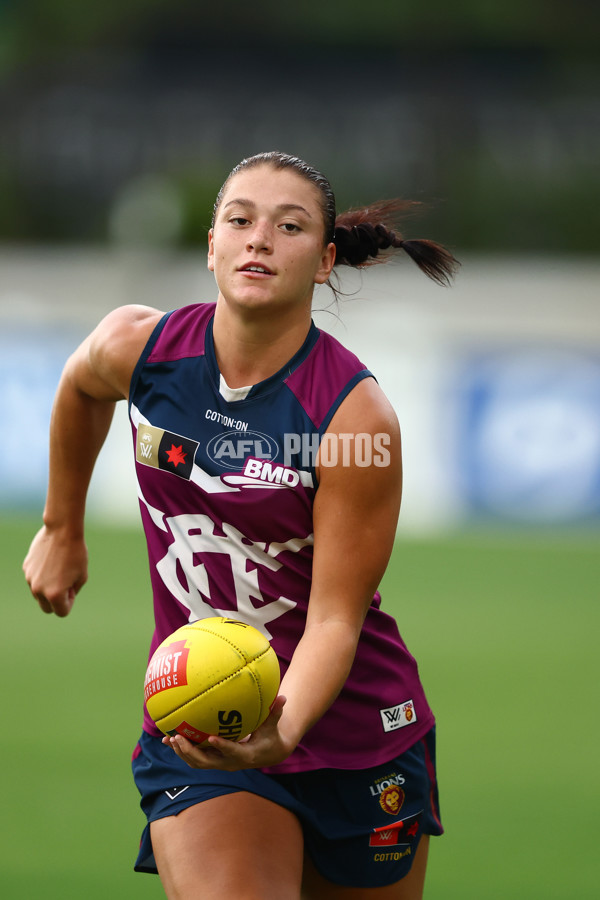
[(195, 756), (44, 604), (62, 602), (63, 605), (60, 605), (271, 722), (176, 746), (226, 748)]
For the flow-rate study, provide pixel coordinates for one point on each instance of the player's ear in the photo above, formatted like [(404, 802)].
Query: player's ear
[(326, 265), (211, 252)]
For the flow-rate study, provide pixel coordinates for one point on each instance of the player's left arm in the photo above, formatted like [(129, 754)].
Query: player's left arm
[(355, 516)]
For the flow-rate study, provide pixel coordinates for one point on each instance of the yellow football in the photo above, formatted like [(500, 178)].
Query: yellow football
[(214, 676)]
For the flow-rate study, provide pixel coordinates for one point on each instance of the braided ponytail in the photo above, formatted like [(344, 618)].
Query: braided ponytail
[(362, 237)]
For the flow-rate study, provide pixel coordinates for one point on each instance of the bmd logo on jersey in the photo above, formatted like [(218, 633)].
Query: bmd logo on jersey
[(230, 450), (260, 473)]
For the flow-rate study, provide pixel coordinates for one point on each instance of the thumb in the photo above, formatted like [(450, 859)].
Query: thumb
[(277, 708)]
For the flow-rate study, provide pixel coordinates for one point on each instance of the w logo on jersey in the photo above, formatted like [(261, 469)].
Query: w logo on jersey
[(165, 450), (395, 717), (385, 837), (402, 832)]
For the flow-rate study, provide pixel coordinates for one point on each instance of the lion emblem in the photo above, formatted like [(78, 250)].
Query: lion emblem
[(391, 799)]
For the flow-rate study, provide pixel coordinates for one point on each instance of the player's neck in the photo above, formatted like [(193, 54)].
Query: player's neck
[(252, 348)]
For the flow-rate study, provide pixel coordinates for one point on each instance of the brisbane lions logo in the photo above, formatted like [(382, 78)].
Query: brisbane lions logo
[(391, 799)]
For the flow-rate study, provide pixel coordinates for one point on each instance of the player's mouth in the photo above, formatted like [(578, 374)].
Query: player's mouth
[(256, 270)]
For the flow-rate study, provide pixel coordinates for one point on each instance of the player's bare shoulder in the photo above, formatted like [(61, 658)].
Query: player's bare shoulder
[(105, 361)]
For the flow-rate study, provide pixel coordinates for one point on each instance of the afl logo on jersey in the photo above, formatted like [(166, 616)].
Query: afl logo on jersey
[(230, 450)]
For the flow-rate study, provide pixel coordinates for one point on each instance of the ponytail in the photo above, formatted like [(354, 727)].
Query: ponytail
[(362, 237)]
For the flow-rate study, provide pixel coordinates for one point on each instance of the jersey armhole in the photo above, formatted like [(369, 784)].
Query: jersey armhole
[(364, 373)]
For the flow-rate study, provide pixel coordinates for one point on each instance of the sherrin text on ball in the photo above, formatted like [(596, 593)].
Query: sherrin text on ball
[(214, 676)]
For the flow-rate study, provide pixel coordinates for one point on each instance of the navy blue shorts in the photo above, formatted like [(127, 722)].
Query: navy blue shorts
[(361, 826)]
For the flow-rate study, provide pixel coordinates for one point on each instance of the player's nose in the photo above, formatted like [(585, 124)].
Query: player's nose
[(260, 237)]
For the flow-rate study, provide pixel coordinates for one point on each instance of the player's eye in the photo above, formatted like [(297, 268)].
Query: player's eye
[(290, 227), (238, 220)]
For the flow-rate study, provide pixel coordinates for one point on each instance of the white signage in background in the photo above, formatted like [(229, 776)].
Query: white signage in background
[(530, 436), (31, 360)]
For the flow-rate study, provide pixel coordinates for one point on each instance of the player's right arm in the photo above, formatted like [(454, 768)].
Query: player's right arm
[(94, 379)]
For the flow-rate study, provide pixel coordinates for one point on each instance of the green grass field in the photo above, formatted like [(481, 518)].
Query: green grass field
[(505, 629)]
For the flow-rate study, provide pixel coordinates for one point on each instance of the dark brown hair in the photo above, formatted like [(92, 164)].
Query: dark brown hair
[(362, 236)]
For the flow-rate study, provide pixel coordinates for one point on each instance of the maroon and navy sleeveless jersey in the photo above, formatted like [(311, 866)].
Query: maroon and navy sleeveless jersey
[(226, 486)]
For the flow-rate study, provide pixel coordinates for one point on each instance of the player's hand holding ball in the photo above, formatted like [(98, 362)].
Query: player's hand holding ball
[(209, 686)]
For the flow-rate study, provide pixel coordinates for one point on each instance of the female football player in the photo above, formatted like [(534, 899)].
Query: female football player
[(269, 470)]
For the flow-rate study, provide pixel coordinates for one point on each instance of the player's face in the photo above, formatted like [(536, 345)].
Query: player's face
[(267, 244)]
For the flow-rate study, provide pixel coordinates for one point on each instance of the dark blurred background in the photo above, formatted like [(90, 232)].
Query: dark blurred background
[(121, 119)]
